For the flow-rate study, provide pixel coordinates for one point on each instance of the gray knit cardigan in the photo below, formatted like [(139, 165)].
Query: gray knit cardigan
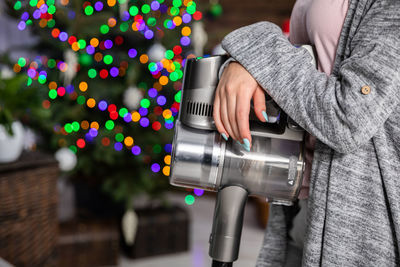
[(354, 205)]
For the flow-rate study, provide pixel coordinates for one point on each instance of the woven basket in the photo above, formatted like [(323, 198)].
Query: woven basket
[(28, 211)]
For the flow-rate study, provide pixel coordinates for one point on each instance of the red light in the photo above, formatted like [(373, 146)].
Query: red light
[(105, 141), (46, 104), (197, 15), (156, 126), (101, 45), (71, 40), (103, 74), (113, 115), (80, 143), (55, 33), (112, 108), (61, 91), (158, 110), (138, 18), (119, 40), (177, 50)]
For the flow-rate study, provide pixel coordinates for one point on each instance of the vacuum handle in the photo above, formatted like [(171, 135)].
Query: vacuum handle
[(227, 224)]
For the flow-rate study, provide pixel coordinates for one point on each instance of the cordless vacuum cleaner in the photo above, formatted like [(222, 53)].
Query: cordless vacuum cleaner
[(201, 158)]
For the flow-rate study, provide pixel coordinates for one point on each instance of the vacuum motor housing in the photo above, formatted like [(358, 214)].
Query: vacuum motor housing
[(201, 158)]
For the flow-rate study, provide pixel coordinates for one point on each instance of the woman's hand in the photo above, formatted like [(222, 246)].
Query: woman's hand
[(235, 90)]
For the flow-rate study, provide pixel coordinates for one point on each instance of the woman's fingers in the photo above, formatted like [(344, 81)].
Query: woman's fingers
[(217, 117), (224, 114), (259, 104), (242, 118)]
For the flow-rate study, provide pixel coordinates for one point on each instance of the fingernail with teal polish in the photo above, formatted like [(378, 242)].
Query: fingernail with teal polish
[(265, 115), (224, 136), (246, 144), (238, 142)]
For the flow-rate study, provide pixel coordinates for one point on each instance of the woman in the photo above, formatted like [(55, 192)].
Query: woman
[(353, 208)]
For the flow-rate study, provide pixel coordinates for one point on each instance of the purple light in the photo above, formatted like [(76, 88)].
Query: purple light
[(169, 125), (25, 16), (155, 5), (31, 73), (114, 71), (108, 44), (163, 8), (142, 25), (149, 34), (69, 89), (136, 150), (98, 6), (185, 41), (161, 100), (186, 18), (21, 25), (71, 14), (160, 66), (168, 148), (152, 92), (155, 167), (125, 16), (102, 105), (118, 146), (36, 14), (132, 52), (128, 117), (93, 132), (63, 36), (43, 8), (198, 192), (144, 122), (90, 50), (143, 111), (88, 137)]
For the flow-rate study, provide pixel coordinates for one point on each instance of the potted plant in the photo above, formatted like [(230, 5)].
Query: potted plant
[(15, 101)]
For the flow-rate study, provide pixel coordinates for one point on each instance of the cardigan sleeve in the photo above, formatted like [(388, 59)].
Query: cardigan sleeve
[(338, 109)]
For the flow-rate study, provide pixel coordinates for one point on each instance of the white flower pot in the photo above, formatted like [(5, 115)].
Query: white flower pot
[(11, 146)]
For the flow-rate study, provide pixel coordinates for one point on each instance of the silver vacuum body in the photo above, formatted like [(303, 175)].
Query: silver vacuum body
[(201, 158)]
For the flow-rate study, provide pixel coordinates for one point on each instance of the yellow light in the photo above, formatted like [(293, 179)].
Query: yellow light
[(135, 116), (163, 80), (43, 23), (94, 42), (52, 85), (128, 141), (112, 22), (177, 21), (186, 31), (111, 2), (144, 59), (167, 113), (98, 56), (83, 86), (167, 159), (17, 68), (75, 46), (85, 125), (91, 103), (95, 125), (166, 170), (135, 26)]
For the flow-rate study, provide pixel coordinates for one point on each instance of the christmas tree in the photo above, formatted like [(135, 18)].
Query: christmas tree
[(109, 75)]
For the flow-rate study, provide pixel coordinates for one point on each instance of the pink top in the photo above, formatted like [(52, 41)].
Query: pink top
[(319, 23)]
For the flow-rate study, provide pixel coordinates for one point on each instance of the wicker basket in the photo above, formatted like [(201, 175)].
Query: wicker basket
[(28, 211)]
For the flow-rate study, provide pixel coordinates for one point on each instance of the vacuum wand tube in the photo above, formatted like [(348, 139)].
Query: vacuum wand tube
[(227, 225)]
